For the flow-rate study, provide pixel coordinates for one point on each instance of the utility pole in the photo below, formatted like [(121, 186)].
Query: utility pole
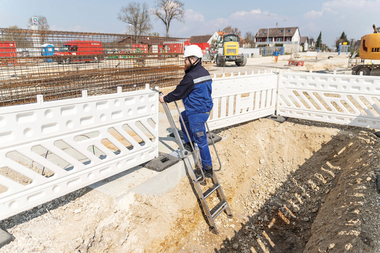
[(284, 32)]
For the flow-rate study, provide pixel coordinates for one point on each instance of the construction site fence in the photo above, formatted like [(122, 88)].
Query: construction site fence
[(270, 50), (48, 149), (241, 98), (340, 99), (60, 65)]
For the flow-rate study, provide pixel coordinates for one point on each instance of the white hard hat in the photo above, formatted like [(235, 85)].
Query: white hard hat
[(193, 50)]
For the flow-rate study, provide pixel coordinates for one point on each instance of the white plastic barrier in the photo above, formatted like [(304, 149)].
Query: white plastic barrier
[(311, 54), (341, 99), (49, 149), (53, 148), (242, 98)]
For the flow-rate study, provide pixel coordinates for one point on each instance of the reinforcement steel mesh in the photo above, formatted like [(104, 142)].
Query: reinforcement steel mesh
[(60, 65)]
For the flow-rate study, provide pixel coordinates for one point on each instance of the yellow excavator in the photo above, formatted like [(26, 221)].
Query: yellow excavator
[(369, 50), (229, 51)]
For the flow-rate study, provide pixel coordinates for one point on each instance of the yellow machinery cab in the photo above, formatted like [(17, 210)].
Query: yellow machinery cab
[(370, 46)]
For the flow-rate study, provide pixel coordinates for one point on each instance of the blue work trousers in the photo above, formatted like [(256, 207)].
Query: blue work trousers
[(195, 125)]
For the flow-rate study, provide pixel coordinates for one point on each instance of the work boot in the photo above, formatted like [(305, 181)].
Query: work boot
[(188, 146), (208, 171), (197, 173), (198, 176)]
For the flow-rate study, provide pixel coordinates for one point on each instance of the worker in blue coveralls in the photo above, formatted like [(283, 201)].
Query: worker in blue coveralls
[(195, 91)]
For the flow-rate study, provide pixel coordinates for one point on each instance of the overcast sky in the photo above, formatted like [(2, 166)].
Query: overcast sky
[(354, 17)]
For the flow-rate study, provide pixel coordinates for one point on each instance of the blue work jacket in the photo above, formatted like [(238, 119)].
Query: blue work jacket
[(195, 90)]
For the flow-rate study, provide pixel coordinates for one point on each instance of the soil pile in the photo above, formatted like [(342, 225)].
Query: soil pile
[(298, 186)]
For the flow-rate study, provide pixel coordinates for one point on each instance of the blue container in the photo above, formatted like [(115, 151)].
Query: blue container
[(47, 50)]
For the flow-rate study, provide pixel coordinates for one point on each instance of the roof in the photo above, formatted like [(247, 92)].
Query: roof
[(200, 39), (276, 32), (304, 39)]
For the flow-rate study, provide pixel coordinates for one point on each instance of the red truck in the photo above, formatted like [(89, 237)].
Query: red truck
[(80, 51), (8, 50)]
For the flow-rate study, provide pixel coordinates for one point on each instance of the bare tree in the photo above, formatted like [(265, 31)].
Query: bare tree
[(250, 38), (154, 34), (42, 23), (229, 29), (167, 10), (137, 16)]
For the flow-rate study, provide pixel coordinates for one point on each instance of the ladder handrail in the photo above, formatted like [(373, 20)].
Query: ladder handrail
[(183, 153)]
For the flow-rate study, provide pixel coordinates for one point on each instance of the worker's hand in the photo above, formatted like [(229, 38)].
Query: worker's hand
[(161, 98)]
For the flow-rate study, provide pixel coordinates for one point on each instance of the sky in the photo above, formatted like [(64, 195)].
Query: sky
[(202, 17)]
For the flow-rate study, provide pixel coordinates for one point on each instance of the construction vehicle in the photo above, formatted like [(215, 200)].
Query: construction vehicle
[(228, 50), (80, 51), (369, 50)]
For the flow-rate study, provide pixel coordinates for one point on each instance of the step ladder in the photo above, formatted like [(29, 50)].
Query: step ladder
[(199, 180)]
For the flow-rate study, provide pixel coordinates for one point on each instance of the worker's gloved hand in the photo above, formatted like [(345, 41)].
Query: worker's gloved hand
[(161, 98)]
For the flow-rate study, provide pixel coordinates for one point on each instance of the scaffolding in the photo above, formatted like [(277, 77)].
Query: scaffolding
[(58, 64)]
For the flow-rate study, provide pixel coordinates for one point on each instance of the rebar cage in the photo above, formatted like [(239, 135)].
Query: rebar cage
[(58, 64)]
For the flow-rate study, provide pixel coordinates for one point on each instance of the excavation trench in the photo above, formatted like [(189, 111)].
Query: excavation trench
[(298, 186)]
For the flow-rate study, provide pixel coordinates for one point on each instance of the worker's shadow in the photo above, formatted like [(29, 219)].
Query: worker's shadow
[(169, 141)]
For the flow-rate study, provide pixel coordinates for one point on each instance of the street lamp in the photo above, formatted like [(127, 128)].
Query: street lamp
[(268, 30)]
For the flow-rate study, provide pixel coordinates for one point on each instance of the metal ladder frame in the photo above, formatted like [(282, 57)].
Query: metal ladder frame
[(212, 214)]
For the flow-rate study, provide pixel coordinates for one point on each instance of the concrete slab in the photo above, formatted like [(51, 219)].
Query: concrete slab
[(119, 184), (5, 238), (142, 180)]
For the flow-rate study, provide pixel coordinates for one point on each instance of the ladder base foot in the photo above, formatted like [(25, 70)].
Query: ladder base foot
[(214, 230), (230, 216)]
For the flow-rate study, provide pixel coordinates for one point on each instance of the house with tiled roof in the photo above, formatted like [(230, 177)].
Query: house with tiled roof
[(304, 43), (288, 37), (200, 39), (311, 44), (278, 35)]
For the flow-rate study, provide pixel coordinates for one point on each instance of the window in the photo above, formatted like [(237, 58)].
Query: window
[(260, 40), (74, 48), (289, 31), (288, 39), (270, 39), (279, 39), (281, 31)]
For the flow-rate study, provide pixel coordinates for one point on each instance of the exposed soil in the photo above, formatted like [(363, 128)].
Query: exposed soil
[(298, 186)]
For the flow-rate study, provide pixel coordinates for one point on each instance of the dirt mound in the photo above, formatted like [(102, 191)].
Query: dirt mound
[(292, 187)]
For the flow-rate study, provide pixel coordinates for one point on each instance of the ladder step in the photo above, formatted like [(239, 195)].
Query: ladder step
[(213, 188), (218, 209), (198, 178)]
